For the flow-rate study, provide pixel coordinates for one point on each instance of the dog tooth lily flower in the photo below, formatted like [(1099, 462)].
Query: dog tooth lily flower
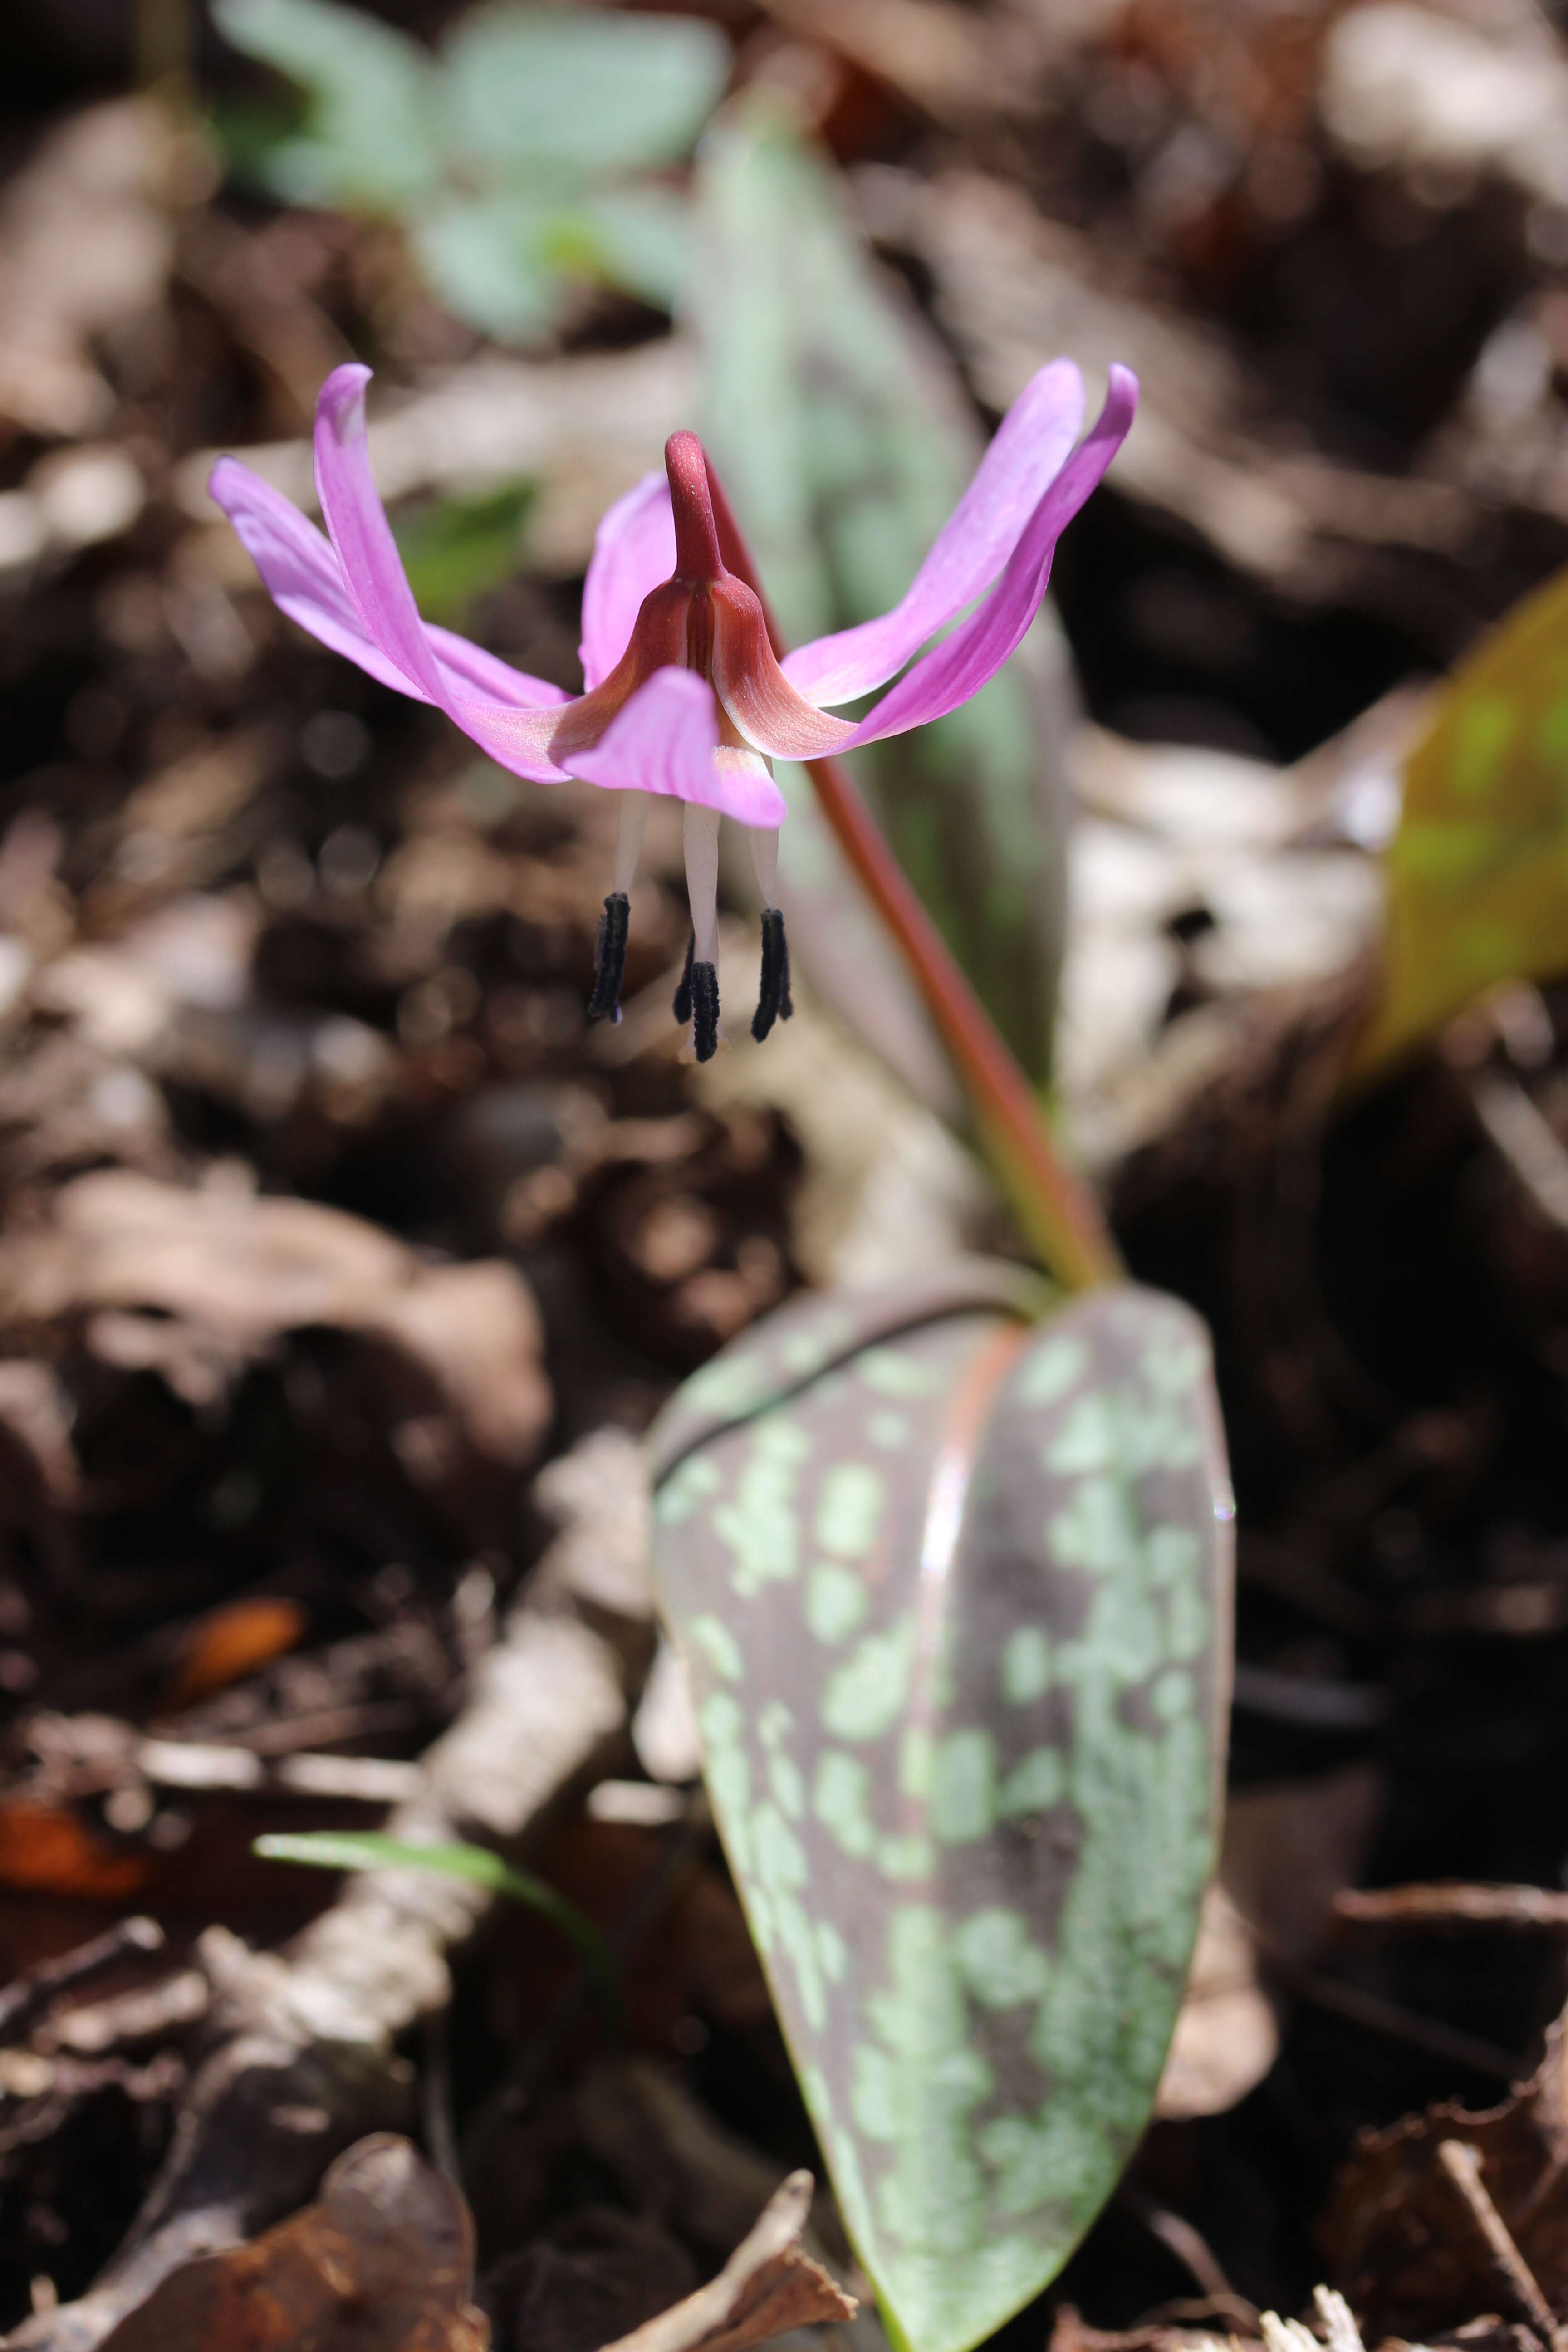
[(684, 695)]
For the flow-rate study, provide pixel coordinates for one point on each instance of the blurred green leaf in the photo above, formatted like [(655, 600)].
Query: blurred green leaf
[(502, 262), (531, 91), (369, 128), (455, 549), (644, 241), (845, 440), (952, 1590), (486, 259), (369, 1849), (1478, 871), (505, 156)]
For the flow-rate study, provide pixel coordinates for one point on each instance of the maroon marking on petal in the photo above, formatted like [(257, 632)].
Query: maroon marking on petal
[(699, 632), (697, 556), (753, 689), (657, 642)]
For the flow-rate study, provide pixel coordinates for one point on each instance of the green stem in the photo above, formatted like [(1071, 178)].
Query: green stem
[(1056, 1207)]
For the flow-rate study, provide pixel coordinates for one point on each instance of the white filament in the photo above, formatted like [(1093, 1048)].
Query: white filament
[(764, 841), (703, 878), (628, 840)]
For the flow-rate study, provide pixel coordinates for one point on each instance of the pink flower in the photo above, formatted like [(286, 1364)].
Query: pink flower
[(684, 696)]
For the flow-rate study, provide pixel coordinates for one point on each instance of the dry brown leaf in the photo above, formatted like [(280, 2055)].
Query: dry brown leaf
[(196, 1283), (475, 1329), (1397, 2230), (1013, 288), (952, 67), (767, 2288), (380, 2263), (1287, 1852), (87, 244)]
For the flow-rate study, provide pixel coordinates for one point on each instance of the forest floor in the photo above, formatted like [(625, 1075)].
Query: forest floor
[(341, 1259)]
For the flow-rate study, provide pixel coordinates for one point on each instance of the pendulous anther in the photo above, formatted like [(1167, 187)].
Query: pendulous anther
[(704, 1011), (774, 1000), (610, 958)]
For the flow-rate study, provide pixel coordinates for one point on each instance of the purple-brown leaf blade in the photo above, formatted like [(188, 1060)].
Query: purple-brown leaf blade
[(952, 1590)]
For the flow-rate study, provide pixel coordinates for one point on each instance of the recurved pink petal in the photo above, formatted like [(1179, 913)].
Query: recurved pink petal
[(1026, 453), (962, 663), (634, 551), (466, 667), (300, 569), (305, 579), (666, 740), (362, 534), (515, 737)]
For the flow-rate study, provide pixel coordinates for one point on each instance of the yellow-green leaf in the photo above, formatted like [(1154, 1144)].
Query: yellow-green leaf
[(1477, 872)]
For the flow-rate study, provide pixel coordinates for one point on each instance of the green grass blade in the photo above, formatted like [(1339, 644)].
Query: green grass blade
[(370, 1849)]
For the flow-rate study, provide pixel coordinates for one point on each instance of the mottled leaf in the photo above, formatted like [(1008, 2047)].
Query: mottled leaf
[(368, 139), (1478, 871), (537, 90), (951, 1586), (845, 440)]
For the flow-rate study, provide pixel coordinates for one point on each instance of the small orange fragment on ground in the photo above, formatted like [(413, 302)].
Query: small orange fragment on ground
[(49, 1851), (229, 1643)]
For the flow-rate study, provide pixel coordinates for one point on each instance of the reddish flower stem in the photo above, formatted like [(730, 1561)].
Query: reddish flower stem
[(1059, 1211)]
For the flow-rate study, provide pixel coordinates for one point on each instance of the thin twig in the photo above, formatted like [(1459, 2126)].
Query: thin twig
[(1454, 1904), (1400, 2024), (152, 2013), (25, 1999), (1462, 2164), (204, 1764), (1188, 2244)]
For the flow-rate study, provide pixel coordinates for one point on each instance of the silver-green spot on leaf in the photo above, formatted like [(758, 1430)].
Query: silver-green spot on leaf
[(849, 1508), (966, 1779), (835, 1602), (1026, 1664), (865, 1696)]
